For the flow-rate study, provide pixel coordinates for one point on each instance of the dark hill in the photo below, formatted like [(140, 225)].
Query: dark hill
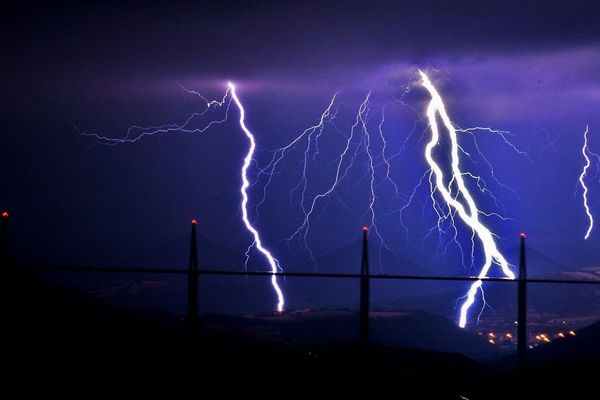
[(346, 259), (418, 330), (56, 336)]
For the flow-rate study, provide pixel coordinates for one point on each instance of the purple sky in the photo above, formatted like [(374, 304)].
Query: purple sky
[(530, 69)]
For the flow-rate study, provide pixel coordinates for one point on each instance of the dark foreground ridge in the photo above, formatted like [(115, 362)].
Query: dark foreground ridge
[(56, 334)]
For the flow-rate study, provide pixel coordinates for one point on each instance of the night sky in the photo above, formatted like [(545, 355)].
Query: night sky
[(531, 68)]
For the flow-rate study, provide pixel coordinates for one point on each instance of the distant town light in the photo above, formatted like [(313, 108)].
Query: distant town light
[(572, 333)]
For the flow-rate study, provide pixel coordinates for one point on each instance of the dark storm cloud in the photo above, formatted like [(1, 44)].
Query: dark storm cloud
[(63, 47), (512, 87)]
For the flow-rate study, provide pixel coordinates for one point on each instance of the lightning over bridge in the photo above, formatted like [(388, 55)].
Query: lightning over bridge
[(364, 139), (469, 214), (136, 132)]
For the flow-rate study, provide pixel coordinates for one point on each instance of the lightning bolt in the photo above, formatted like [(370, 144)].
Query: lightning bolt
[(136, 133), (372, 174), (244, 206), (359, 140), (470, 214), (312, 135), (308, 211), (585, 150)]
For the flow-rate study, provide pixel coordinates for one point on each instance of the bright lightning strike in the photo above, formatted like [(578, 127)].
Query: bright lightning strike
[(469, 216), (244, 191), (136, 132), (585, 150)]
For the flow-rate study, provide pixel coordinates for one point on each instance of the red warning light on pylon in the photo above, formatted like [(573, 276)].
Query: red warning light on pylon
[(523, 235), (194, 221), (5, 214), (365, 228)]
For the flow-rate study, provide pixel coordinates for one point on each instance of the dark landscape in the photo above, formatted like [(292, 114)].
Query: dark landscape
[(429, 355)]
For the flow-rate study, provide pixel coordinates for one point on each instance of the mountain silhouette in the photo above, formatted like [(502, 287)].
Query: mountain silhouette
[(539, 265), (346, 259), (417, 329)]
